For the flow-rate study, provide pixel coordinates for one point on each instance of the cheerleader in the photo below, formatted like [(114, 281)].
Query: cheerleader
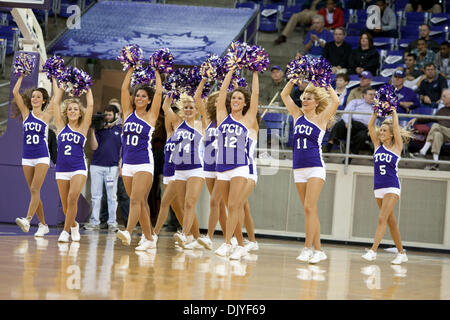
[(388, 144), (72, 125), (232, 160), (170, 197), (140, 113), (310, 123), (188, 159), (35, 154)]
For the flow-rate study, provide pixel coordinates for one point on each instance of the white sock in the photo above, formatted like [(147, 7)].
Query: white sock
[(425, 148), (435, 156)]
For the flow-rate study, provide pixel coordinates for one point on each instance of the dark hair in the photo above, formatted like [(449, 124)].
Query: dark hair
[(342, 29), (445, 43), (26, 97), (246, 98), (429, 64), (369, 37), (111, 108), (364, 91), (412, 55), (423, 39), (150, 92), (344, 76)]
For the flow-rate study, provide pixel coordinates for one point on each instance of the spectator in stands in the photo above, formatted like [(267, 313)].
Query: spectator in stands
[(359, 4), (333, 16), (317, 37), (297, 92), (338, 51), (438, 134), (365, 81), (407, 98), (441, 60), (388, 22), (52, 143), (309, 10), (424, 55), (272, 90), (342, 80), (431, 86), (423, 5), (106, 144), (365, 57), (411, 71), (424, 33), (359, 130)]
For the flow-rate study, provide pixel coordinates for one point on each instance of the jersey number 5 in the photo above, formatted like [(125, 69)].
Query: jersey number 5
[(383, 169)]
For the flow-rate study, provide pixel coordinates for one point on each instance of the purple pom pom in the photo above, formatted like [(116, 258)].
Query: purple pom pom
[(208, 69), (175, 83), (143, 75), (23, 64), (76, 81), (162, 60), (54, 67), (320, 72), (257, 59), (386, 100), (242, 83), (131, 56), (236, 56)]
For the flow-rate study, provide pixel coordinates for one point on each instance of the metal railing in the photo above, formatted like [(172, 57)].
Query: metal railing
[(347, 155)]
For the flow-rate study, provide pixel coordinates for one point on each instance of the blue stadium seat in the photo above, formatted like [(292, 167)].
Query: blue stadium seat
[(416, 18), (11, 34), (384, 43), (291, 131), (276, 121), (250, 5), (399, 5), (409, 31), (423, 110), (270, 23), (354, 29), (353, 41), (440, 15)]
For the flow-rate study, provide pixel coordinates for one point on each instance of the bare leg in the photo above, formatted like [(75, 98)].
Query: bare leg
[(35, 177), (169, 197), (386, 209), (194, 186), (76, 185), (235, 205), (217, 209)]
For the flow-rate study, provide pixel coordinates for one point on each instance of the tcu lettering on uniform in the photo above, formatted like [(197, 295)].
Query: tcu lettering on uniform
[(133, 127), (32, 126), (184, 134), (212, 132), (232, 128), (71, 137), (303, 129), (383, 157), (170, 146)]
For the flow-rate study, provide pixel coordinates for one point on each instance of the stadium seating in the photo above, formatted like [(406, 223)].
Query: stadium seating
[(11, 34), (277, 122), (270, 22)]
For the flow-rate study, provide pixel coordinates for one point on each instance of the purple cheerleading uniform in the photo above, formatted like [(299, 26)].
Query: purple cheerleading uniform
[(307, 151), (189, 147), (209, 159), (169, 166), (251, 150), (35, 133), (385, 166), (70, 151), (232, 145), (137, 141)]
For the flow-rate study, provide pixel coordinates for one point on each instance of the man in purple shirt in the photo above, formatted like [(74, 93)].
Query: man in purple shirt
[(317, 37), (408, 99)]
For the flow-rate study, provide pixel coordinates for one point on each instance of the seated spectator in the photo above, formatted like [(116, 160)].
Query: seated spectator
[(388, 21), (365, 57), (317, 37), (423, 5), (309, 10), (271, 92), (333, 16), (424, 33), (431, 86), (364, 82), (407, 98), (424, 55), (297, 91), (359, 132), (411, 70), (338, 51), (441, 60), (438, 134), (342, 80)]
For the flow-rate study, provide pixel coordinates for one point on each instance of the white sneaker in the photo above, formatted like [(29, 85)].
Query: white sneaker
[(318, 256), (23, 223), (142, 239), (238, 253), (370, 255), (124, 236), (155, 238), (190, 238), (234, 242), (64, 237), (250, 245), (193, 245), (180, 238), (206, 242), (75, 232), (42, 230), (305, 255), (224, 250), (400, 258), (146, 244)]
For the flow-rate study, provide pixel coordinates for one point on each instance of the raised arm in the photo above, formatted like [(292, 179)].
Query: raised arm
[(254, 100), (89, 111), (373, 131), (397, 135), (330, 110), (292, 107), (125, 98), (55, 103), (199, 103), (170, 117), (221, 112), (19, 100), (157, 98)]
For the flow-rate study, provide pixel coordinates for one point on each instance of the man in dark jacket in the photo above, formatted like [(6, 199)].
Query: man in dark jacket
[(337, 51)]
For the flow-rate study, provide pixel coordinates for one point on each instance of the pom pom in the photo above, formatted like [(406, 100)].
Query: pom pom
[(162, 60), (257, 59), (143, 75), (76, 81), (320, 72), (23, 64), (209, 68), (131, 56), (175, 83), (236, 56), (242, 83), (386, 100), (54, 67)]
